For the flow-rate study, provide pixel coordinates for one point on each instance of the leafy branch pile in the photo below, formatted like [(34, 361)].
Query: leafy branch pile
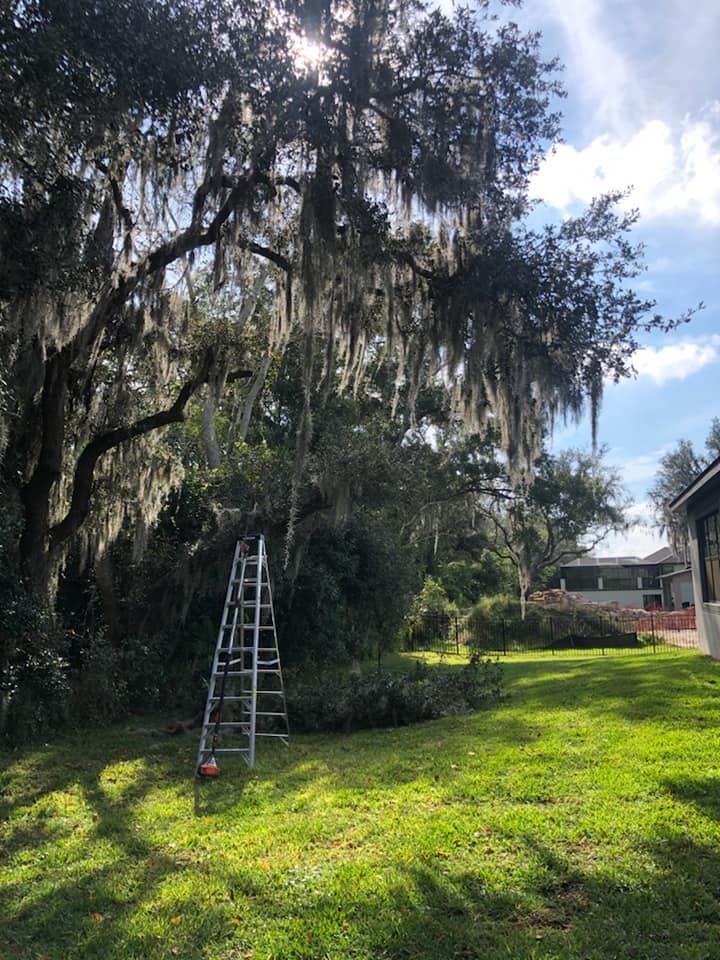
[(385, 700)]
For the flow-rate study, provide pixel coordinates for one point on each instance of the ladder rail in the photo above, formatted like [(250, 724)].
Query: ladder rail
[(216, 658), (279, 666), (246, 655), (256, 643)]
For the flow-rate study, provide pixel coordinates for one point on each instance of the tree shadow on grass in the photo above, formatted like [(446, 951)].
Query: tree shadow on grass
[(79, 758), (675, 690), (702, 792), (565, 906), (212, 797), (563, 909), (74, 831)]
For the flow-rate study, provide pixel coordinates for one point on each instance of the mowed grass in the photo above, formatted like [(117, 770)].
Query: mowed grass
[(578, 819)]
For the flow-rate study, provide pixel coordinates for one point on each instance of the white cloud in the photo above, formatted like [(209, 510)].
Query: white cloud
[(605, 78), (632, 62), (638, 469), (639, 541), (670, 172), (676, 361)]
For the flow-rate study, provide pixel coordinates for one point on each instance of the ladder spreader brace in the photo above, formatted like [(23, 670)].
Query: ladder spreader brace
[(246, 696)]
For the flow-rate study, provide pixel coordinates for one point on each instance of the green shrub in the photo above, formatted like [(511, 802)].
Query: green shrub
[(115, 679), (34, 684), (348, 598), (432, 599), (34, 692), (383, 700), (495, 624), (502, 606)]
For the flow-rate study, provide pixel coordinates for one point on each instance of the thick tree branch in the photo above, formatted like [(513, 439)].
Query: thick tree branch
[(35, 493), (88, 459), (579, 551), (253, 393), (454, 495), (120, 288)]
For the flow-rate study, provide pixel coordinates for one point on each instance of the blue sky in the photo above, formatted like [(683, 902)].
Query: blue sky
[(643, 110)]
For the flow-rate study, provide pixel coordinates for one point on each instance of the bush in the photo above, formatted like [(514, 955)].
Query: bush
[(384, 700), (432, 599), (114, 680), (504, 607), (34, 692), (349, 596), (495, 624)]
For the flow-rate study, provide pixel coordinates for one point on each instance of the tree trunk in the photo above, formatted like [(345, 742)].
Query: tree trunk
[(524, 585), (105, 579), (253, 393), (207, 430), (35, 557)]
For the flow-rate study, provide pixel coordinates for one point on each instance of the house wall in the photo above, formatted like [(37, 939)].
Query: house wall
[(625, 598), (681, 589), (707, 614), (678, 591)]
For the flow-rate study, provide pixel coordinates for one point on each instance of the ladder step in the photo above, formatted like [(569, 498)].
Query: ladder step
[(239, 697), (240, 673), (242, 750), (242, 656), (247, 701), (239, 648), (235, 650), (228, 723), (242, 723), (235, 655)]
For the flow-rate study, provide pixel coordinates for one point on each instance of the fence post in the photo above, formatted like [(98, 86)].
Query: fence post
[(552, 637), (503, 637), (652, 631), (457, 636)]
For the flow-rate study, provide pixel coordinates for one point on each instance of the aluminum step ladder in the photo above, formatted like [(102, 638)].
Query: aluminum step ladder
[(246, 696)]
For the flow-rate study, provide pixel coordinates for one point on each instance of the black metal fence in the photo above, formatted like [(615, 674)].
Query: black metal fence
[(569, 635)]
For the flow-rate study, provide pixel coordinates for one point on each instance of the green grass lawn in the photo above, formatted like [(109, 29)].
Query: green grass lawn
[(580, 819)]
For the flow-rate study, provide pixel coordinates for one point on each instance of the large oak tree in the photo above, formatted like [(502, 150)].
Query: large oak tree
[(366, 162)]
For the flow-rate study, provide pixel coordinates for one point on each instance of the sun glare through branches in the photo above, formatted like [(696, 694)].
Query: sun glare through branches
[(309, 54)]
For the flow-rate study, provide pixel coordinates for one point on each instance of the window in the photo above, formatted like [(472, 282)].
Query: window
[(619, 578), (580, 578), (649, 576), (708, 529)]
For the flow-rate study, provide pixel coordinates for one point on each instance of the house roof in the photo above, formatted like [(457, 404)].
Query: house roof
[(601, 561), (708, 474), (663, 555), (675, 573)]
